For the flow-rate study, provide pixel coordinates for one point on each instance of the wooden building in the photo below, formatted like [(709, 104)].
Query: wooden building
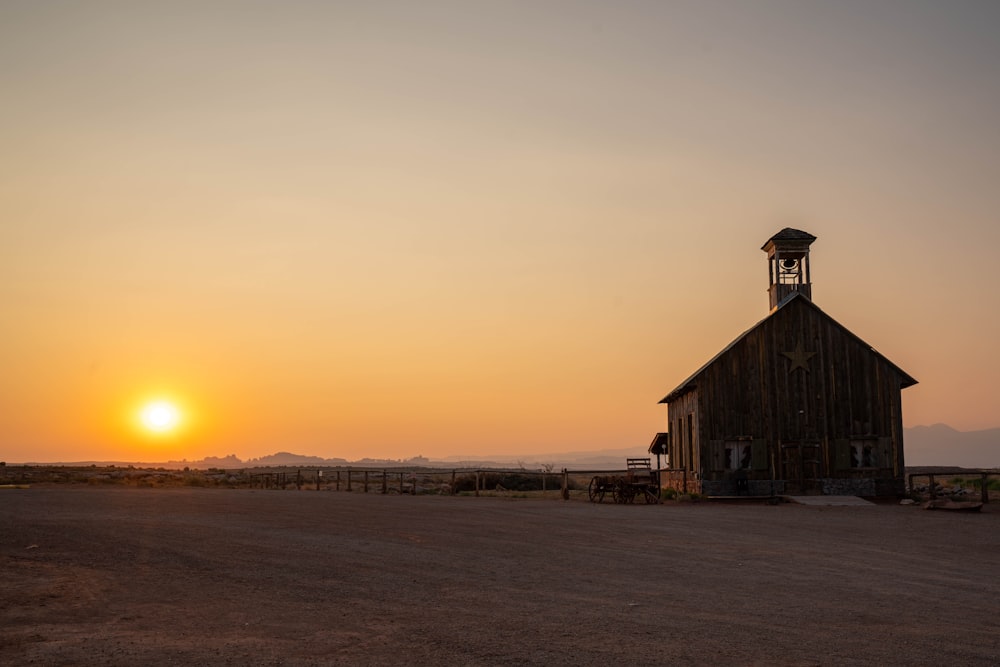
[(796, 404)]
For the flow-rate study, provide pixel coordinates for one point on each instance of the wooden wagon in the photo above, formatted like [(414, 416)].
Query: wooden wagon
[(639, 480)]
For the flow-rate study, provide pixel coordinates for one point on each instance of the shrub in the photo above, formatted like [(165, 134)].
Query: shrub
[(511, 481), (195, 480)]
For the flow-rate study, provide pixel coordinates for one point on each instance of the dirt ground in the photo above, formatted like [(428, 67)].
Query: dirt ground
[(124, 576)]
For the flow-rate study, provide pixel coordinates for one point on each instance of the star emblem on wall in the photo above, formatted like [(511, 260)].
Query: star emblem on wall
[(799, 357)]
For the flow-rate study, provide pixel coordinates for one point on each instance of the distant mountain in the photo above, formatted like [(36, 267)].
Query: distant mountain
[(289, 459), (941, 445), (220, 462), (601, 459), (937, 445)]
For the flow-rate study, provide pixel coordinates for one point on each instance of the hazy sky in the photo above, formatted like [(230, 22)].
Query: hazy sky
[(396, 228)]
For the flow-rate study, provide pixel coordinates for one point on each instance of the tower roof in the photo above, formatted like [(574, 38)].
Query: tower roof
[(789, 234)]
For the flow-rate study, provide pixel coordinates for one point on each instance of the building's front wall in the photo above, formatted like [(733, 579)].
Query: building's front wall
[(798, 400)]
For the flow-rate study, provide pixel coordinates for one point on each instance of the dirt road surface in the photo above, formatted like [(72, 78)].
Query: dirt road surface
[(119, 576)]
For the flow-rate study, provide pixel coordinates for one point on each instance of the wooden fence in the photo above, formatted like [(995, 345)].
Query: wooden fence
[(413, 481), (984, 476)]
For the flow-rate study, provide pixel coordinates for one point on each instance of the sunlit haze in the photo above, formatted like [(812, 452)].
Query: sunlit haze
[(389, 229)]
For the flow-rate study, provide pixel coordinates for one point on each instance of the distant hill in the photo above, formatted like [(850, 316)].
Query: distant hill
[(937, 445), (601, 459), (605, 459), (289, 459), (941, 445)]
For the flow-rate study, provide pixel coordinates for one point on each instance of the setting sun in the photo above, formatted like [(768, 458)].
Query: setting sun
[(160, 416)]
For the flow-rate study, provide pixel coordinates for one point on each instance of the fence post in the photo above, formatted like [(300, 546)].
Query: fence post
[(930, 485), (338, 479), (385, 487), (565, 484), (366, 481), (452, 482), (298, 480), (349, 479), (319, 473), (400, 483), (477, 484)]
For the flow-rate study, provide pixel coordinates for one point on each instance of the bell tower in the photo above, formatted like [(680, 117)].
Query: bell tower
[(788, 265)]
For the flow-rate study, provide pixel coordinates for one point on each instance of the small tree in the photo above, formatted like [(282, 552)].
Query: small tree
[(546, 470)]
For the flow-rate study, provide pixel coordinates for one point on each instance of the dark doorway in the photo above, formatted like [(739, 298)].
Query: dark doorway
[(801, 467)]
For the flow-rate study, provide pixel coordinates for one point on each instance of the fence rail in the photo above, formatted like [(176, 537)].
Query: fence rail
[(984, 476), (366, 479), (412, 481)]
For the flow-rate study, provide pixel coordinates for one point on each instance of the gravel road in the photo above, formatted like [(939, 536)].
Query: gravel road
[(184, 576)]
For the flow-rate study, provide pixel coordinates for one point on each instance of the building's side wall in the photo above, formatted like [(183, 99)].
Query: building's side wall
[(681, 481), (684, 423)]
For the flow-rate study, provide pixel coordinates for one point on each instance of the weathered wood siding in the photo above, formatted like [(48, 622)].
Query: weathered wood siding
[(685, 422), (845, 392)]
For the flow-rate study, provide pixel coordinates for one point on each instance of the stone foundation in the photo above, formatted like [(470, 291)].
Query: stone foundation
[(829, 486), (755, 487), (679, 481), (848, 487)]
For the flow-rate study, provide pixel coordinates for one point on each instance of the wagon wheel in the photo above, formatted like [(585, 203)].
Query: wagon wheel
[(596, 490), (618, 491), (629, 492), (652, 495), (623, 492)]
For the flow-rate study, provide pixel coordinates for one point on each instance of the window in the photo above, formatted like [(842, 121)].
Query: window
[(738, 455), (679, 444), (690, 442), (864, 454)]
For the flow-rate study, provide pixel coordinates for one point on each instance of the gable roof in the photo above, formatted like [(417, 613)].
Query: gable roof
[(660, 443), (789, 234), (691, 382)]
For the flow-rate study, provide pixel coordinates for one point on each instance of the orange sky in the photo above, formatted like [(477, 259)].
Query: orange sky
[(388, 228)]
